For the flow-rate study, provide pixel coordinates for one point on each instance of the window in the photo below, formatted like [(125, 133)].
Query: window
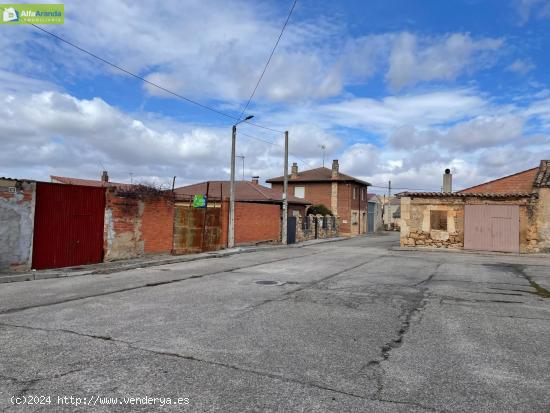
[(299, 191), (362, 194), (438, 220), (354, 216), (354, 196), (295, 213)]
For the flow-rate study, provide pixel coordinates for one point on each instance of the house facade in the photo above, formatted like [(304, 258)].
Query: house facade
[(509, 214), (343, 194)]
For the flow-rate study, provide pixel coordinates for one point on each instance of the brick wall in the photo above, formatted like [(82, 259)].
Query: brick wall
[(257, 223), (157, 225), (520, 182), (316, 193), (137, 225), (320, 193), (16, 224)]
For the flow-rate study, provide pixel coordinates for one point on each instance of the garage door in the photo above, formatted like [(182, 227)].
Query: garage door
[(68, 225), (491, 228)]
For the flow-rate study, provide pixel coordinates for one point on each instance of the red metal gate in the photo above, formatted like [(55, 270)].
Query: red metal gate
[(491, 228), (68, 225)]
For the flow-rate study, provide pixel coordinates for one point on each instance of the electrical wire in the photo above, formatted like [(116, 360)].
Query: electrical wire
[(269, 59), (107, 62)]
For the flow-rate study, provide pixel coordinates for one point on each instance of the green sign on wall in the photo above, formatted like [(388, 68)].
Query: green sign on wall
[(199, 201)]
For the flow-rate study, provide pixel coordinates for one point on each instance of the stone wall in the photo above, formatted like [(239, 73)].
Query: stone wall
[(538, 233), (416, 231), (305, 227), (17, 200), (415, 223)]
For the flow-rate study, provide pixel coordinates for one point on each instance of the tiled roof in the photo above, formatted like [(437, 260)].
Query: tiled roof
[(89, 182), (245, 191), (463, 195), (321, 174), (542, 180), (518, 182)]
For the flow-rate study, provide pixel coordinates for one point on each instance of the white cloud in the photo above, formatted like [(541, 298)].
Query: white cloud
[(521, 67), (528, 8), (414, 60)]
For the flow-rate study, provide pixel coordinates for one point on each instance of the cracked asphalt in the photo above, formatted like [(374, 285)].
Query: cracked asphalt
[(347, 326)]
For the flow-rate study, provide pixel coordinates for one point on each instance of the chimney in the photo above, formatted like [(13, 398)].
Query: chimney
[(335, 168), (447, 181), (294, 172), (255, 180), (104, 177)]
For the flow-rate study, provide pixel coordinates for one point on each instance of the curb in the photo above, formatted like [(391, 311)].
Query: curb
[(39, 275), (470, 252)]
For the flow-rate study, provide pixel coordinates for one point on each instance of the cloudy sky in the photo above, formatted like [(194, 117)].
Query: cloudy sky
[(395, 89)]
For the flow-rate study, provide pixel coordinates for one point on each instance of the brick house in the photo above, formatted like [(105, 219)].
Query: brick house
[(258, 209), (509, 214), (343, 194)]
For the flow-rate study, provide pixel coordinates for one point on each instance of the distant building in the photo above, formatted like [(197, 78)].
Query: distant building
[(509, 214), (343, 194)]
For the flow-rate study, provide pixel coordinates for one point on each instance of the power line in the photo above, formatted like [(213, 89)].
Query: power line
[(269, 59), (406, 189), (274, 144), (107, 62)]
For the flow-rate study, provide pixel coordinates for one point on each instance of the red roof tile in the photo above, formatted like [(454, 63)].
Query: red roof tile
[(89, 182), (244, 191), (321, 174)]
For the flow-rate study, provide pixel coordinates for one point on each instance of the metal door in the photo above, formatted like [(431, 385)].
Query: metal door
[(491, 228), (291, 230), (68, 225), (370, 216)]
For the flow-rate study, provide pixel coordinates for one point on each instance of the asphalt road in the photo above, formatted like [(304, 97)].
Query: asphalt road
[(345, 326)]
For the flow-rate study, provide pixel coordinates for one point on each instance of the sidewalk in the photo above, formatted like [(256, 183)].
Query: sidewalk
[(147, 261)]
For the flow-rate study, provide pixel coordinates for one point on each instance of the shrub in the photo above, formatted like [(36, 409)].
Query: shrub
[(319, 210)]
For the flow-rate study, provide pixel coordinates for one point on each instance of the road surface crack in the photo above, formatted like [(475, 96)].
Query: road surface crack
[(270, 375)]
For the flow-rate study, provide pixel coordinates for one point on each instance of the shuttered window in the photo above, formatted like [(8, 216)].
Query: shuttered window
[(438, 220)]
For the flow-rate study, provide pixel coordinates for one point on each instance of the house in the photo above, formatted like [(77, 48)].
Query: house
[(392, 212), (258, 210), (343, 194), (509, 214), (374, 213), (245, 191), (101, 183)]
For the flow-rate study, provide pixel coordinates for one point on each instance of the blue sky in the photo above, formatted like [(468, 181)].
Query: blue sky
[(395, 90)]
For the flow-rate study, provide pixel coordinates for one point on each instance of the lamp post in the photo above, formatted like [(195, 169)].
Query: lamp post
[(231, 229)]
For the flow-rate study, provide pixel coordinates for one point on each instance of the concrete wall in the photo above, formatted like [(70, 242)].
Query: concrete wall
[(136, 225), (17, 200)]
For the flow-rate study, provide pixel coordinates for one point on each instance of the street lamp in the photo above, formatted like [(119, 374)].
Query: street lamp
[(231, 229)]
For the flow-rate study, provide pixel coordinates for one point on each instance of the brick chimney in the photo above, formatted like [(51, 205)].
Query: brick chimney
[(335, 168), (104, 177), (294, 171), (255, 180)]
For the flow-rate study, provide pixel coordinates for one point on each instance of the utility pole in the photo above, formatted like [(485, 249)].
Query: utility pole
[(389, 203), (231, 229), (285, 195)]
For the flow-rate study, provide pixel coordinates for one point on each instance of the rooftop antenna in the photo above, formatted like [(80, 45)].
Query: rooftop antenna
[(323, 148)]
